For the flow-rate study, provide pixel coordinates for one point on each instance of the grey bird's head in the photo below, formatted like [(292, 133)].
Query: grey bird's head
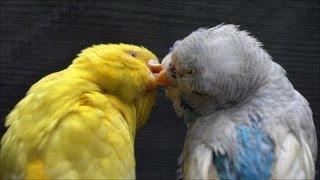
[(217, 68)]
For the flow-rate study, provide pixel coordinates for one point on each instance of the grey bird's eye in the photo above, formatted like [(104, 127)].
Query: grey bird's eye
[(190, 71)]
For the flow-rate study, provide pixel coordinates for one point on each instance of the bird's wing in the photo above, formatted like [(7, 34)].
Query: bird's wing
[(294, 159), (198, 162), (296, 150), (92, 140)]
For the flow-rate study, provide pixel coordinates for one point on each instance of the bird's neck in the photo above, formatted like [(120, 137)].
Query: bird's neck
[(273, 95), (134, 111), (143, 105)]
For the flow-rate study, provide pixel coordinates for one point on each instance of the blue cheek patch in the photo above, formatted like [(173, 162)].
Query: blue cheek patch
[(253, 158), (189, 115)]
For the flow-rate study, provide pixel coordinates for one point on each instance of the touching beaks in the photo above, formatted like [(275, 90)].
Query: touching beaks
[(160, 75), (162, 78), (154, 66)]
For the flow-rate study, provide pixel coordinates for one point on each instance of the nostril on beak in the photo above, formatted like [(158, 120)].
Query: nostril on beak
[(153, 61), (154, 66)]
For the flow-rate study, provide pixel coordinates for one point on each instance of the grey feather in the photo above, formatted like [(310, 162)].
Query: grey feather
[(226, 76)]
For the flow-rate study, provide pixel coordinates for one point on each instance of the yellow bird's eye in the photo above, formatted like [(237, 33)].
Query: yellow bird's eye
[(132, 53)]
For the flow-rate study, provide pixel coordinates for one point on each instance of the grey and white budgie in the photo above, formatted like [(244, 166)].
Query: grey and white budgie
[(245, 119)]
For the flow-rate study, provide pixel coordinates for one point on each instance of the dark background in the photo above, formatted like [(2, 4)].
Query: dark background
[(40, 37)]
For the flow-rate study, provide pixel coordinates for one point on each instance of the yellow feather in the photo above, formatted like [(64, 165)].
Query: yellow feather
[(35, 170), (81, 122)]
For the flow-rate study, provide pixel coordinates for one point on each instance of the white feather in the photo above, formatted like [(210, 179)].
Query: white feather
[(294, 160), (200, 161)]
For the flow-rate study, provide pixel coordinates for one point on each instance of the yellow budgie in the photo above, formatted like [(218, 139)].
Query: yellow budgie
[(81, 122)]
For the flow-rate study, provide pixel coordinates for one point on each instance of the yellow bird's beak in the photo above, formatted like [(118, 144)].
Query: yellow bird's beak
[(160, 77)]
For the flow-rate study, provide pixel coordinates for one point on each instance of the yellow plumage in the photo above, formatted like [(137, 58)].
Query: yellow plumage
[(81, 122)]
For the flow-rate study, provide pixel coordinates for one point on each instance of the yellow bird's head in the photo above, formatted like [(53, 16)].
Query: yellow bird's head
[(120, 70)]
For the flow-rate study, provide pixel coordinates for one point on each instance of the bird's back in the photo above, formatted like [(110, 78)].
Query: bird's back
[(67, 127)]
